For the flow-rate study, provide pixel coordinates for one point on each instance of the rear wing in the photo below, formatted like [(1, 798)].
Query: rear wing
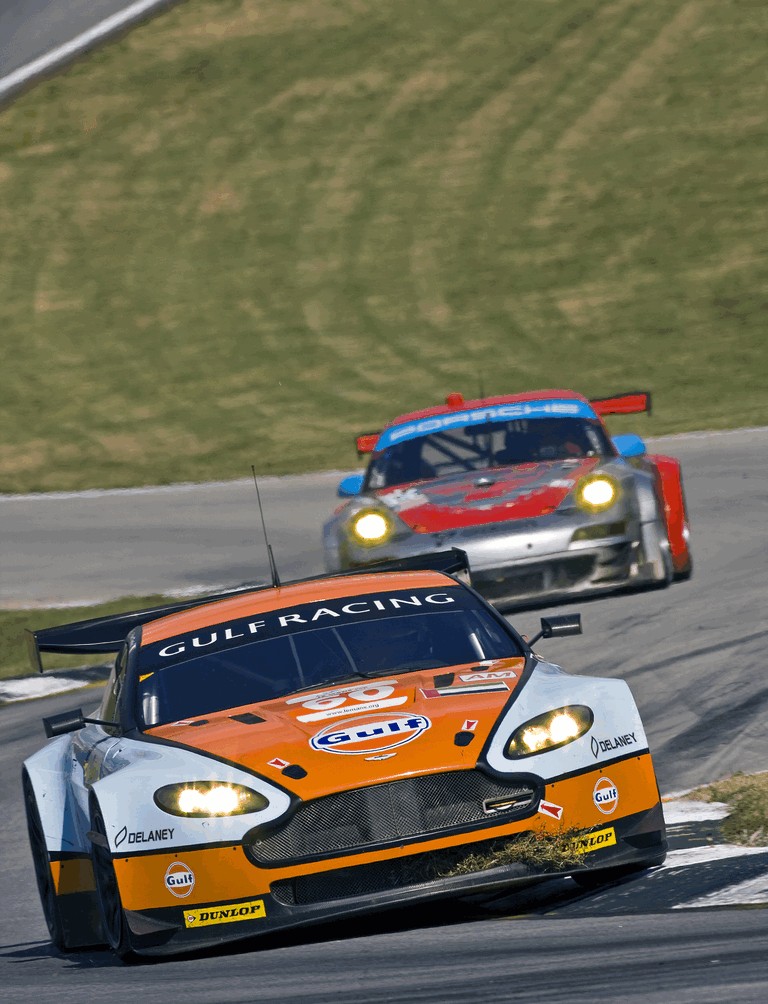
[(365, 442), (628, 403), (105, 635)]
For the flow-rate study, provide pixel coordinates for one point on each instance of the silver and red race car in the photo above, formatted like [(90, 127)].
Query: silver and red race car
[(531, 486), (278, 757)]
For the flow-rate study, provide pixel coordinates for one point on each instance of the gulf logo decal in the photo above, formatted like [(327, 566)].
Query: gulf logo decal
[(605, 795), (179, 879), (374, 734)]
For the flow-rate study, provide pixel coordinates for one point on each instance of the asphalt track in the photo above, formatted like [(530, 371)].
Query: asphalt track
[(693, 655), (39, 36)]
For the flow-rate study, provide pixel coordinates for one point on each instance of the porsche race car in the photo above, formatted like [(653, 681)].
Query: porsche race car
[(291, 754), (531, 486)]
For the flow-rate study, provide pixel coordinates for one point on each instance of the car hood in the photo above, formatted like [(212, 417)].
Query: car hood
[(521, 491), (360, 733)]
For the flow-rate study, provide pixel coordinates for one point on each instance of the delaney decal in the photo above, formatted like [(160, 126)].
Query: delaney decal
[(550, 809), (179, 879), (594, 841), (226, 913), (143, 837), (481, 688), (374, 735), (605, 796), (354, 701), (616, 743)]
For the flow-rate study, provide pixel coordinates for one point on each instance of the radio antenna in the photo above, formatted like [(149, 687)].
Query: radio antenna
[(270, 555)]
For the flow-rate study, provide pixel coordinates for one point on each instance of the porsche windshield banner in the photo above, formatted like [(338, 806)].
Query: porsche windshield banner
[(306, 617), (478, 416)]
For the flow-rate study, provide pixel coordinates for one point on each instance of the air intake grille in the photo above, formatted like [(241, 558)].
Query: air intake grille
[(399, 873), (392, 812)]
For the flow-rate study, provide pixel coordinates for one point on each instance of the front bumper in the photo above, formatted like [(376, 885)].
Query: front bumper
[(638, 840), (531, 560)]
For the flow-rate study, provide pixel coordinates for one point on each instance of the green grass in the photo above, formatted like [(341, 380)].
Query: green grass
[(252, 228)]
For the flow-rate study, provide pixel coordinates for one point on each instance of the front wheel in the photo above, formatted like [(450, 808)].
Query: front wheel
[(110, 905), (656, 555)]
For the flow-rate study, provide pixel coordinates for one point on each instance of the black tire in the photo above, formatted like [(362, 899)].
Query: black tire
[(686, 573), (113, 920), (42, 862)]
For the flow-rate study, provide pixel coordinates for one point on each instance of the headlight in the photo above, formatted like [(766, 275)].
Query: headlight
[(597, 493), (208, 798), (550, 731), (371, 526)]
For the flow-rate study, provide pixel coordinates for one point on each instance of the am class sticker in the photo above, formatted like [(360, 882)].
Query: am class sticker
[(370, 734)]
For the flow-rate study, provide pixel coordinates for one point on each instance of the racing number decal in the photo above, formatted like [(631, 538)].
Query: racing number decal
[(348, 701)]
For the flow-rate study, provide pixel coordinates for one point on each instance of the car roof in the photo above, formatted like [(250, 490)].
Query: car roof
[(287, 596)]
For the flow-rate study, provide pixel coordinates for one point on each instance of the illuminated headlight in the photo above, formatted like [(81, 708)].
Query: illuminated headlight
[(371, 526), (597, 493), (209, 798), (550, 731)]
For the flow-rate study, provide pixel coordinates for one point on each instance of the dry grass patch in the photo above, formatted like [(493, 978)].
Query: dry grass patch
[(747, 797)]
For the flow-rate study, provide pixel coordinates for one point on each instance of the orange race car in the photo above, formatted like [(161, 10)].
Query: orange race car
[(290, 754)]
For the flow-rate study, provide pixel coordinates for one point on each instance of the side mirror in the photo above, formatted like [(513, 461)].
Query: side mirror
[(629, 445), (67, 721), (350, 486), (558, 627)]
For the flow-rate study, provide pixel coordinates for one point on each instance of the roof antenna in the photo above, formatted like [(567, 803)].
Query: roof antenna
[(272, 565)]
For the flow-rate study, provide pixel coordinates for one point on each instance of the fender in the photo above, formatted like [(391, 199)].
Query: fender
[(675, 512), (50, 772), (136, 824)]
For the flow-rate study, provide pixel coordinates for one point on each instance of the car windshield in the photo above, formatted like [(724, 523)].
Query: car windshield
[(360, 637), (487, 445)]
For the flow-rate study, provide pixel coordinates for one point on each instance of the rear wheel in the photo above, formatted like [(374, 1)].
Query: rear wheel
[(110, 905), (42, 863)]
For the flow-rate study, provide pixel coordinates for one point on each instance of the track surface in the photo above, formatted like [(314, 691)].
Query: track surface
[(692, 654)]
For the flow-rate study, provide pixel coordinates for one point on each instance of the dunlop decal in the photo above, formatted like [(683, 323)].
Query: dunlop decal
[(594, 841), (225, 913)]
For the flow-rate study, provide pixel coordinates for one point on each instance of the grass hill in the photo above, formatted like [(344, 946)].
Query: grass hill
[(252, 228)]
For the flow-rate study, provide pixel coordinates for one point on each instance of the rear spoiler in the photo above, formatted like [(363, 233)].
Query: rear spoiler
[(629, 403), (106, 635), (365, 442)]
